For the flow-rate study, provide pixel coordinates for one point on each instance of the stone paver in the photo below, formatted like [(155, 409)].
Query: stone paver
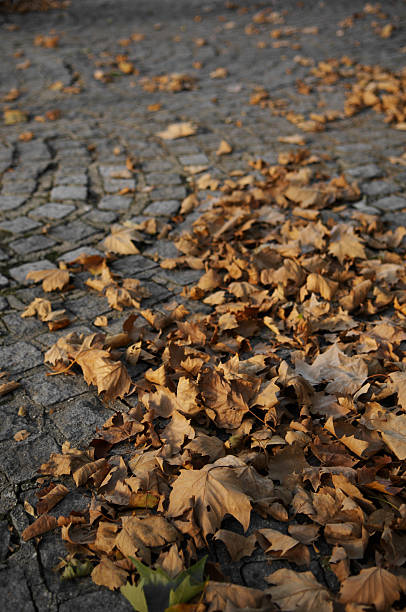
[(100, 162)]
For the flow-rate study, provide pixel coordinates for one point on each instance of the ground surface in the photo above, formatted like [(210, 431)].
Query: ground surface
[(59, 199)]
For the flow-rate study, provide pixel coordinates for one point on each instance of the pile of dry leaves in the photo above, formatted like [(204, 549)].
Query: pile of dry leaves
[(368, 87), (285, 394)]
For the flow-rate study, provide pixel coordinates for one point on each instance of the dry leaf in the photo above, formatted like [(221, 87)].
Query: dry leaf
[(51, 279), (43, 524), (178, 130), (299, 591), (374, 586), (238, 546), (224, 148), (120, 241), (211, 492)]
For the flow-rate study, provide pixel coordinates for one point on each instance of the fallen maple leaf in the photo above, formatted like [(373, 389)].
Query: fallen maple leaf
[(212, 492), (51, 279), (109, 376), (374, 586), (299, 591), (109, 574), (120, 241), (238, 546)]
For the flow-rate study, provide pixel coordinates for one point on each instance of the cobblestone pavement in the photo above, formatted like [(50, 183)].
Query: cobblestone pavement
[(59, 196)]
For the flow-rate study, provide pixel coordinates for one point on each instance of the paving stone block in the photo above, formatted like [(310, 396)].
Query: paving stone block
[(24, 246), (178, 277), (72, 232), (162, 178), (108, 170), (157, 165), (165, 208), (19, 225), (18, 187), (4, 540), (20, 460), (115, 202), (70, 179), (102, 218), (19, 356), (53, 210), (69, 192), (390, 203), (14, 590), (3, 281), (162, 248), (99, 600), (171, 192), (115, 185), (78, 418), (133, 265), (198, 159), (19, 273), (87, 307), (368, 171), (9, 202), (20, 327), (379, 188)]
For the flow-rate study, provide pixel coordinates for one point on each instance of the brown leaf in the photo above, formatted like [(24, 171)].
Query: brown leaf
[(48, 501), (21, 435), (344, 374), (43, 524), (324, 286), (206, 446), (299, 591), (212, 492), (110, 377), (344, 244), (374, 586), (38, 307), (178, 130), (227, 597), (8, 387), (392, 428), (224, 148), (281, 546), (120, 241), (398, 384), (108, 574), (238, 546), (51, 279)]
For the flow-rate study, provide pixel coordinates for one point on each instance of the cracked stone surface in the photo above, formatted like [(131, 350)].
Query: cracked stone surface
[(61, 191)]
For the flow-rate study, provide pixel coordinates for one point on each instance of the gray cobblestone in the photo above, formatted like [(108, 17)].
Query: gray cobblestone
[(162, 178), (165, 208), (115, 202), (391, 203), (8, 202), (68, 192), (72, 232), (53, 210), (19, 356), (31, 244), (20, 225), (379, 188)]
